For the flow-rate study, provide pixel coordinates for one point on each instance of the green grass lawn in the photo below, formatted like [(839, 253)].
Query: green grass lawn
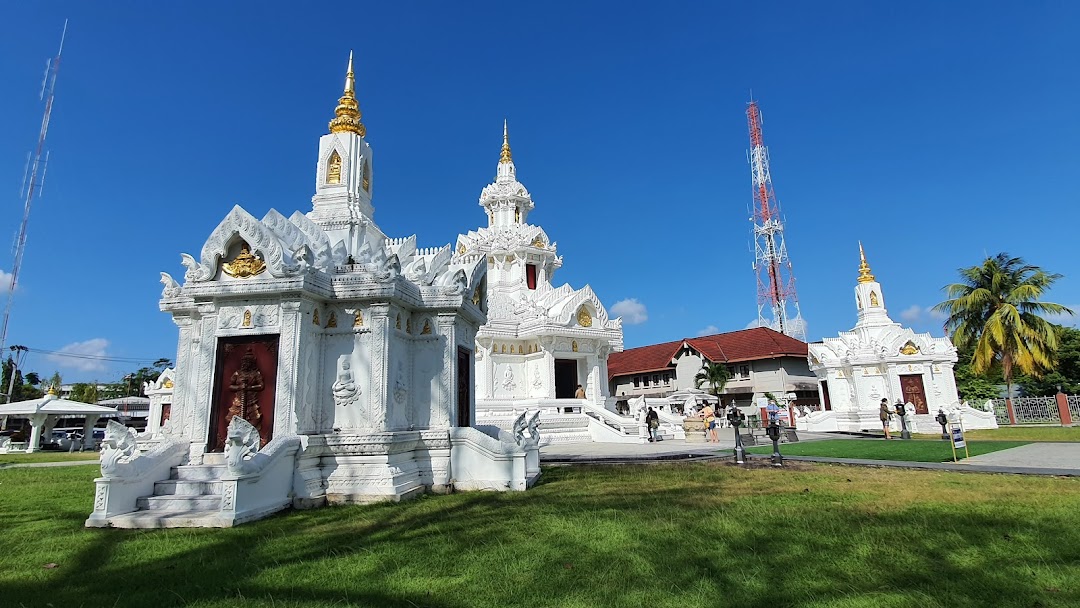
[(880, 449), (1022, 433), (23, 457), (672, 535)]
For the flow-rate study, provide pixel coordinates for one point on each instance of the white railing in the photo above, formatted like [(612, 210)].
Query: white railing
[(1074, 407)]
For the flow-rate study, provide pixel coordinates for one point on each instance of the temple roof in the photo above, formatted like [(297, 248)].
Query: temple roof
[(54, 406), (730, 347)]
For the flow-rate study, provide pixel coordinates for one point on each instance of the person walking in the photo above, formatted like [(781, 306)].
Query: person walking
[(709, 420), (652, 421), (884, 415)]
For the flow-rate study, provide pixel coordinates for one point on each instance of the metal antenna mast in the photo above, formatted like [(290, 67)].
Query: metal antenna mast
[(33, 179), (775, 280)]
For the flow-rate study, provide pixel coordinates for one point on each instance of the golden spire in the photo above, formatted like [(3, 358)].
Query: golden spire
[(347, 113), (52, 390), (864, 268), (505, 156)]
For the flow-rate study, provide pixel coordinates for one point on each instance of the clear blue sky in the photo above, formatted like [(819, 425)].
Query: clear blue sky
[(935, 132)]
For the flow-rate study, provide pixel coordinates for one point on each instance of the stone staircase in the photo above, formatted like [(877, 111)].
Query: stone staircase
[(190, 498)]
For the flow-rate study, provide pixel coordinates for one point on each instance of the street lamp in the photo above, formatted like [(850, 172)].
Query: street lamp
[(736, 418), (942, 419), (773, 431), (904, 433)]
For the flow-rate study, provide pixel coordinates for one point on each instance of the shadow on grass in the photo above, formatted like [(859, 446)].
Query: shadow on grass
[(628, 536)]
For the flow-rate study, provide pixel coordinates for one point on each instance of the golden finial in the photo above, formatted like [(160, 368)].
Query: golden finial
[(347, 113), (505, 156), (52, 390), (864, 268)]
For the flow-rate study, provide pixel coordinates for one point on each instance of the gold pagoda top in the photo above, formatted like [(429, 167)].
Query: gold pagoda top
[(505, 156), (864, 268), (347, 113)]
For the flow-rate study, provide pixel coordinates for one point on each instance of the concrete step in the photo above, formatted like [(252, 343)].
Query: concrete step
[(213, 458), (181, 487), (156, 519), (198, 472), (179, 504)]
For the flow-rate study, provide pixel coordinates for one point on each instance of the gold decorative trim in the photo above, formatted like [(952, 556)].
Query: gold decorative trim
[(168, 384), (347, 114), (504, 156), (427, 328), (538, 242), (864, 268)]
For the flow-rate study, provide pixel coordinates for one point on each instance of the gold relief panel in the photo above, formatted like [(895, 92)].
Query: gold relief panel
[(358, 320), (874, 299), (247, 319), (332, 321), (168, 384), (427, 328), (333, 168), (366, 182), (504, 349), (245, 264), (461, 249), (315, 317), (909, 349), (408, 325), (584, 319), (538, 242), (573, 346)]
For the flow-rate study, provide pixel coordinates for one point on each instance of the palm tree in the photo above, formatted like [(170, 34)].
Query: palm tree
[(715, 375), (995, 310)]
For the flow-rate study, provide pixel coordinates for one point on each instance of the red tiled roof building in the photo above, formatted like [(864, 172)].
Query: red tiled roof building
[(759, 360)]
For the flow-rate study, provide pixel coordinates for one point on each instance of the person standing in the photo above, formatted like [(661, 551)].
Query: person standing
[(579, 393), (884, 414), (652, 421)]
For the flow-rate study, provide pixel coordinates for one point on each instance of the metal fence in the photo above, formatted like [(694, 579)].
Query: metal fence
[(1074, 407), (1034, 410)]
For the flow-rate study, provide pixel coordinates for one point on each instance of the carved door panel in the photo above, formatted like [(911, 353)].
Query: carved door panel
[(464, 387), (825, 392), (914, 393), (245, 384)]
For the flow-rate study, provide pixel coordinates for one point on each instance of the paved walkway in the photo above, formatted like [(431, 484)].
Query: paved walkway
[(661, 450), (1045, 458)]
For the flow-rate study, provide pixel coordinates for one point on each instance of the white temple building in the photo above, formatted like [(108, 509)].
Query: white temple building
[(318, 362), (540, 342), (878, 359)]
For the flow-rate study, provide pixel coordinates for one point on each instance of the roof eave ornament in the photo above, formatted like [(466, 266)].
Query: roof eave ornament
[(347, 114), (864, 268)]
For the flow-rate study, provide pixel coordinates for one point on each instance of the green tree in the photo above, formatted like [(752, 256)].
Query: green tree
[(1067, 372), (5, 381), (85, 392), (976, 387), (995, 310), (715, 375), (55, 381)]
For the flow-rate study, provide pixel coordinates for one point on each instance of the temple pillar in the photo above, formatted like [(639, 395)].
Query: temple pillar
[(37, 422), (88, 432)]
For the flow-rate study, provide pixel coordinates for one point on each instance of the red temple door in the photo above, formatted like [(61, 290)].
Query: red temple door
[(244, 385), (914, 392)]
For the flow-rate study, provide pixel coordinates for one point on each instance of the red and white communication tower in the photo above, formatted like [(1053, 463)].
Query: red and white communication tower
[(775, 280), (33, 180)]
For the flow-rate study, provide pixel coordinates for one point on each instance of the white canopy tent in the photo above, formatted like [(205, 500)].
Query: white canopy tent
[(43, 414)]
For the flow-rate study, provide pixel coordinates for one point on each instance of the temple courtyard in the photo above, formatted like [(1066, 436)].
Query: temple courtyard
[(695, 533)]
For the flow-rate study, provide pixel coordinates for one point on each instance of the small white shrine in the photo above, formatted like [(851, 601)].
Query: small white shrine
[(541, 342), (318, 362), (879, 359)]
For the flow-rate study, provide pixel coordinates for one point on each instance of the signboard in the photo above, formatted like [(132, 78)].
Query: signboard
[(957, 433), (958, 437)]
